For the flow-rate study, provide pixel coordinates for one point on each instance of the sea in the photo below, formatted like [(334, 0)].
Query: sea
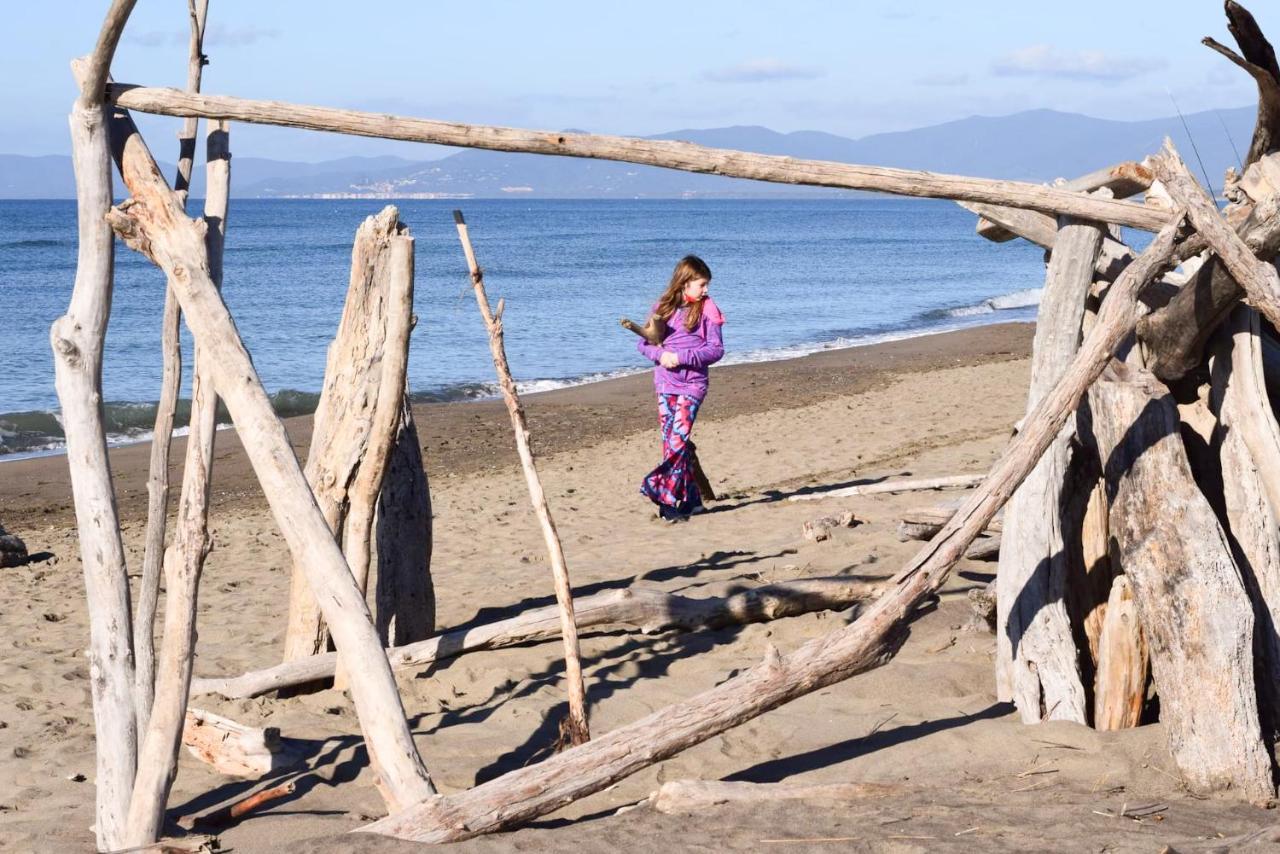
[(792, 276)]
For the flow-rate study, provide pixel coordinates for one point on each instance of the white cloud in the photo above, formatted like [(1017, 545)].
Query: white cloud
[(1042, 60), (762, 70)]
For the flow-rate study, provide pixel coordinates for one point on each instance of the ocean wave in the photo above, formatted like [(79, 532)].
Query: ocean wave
[(1017, 299), (35, 243)]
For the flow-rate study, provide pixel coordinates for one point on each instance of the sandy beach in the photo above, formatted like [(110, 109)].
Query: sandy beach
[(966, 774)]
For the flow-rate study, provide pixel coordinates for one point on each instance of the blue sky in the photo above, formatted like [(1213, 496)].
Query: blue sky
[(851, 68)]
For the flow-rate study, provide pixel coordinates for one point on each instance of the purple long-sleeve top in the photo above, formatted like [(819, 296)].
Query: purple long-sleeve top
[(697, 349)]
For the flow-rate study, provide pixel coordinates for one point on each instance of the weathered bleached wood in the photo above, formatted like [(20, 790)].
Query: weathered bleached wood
[(235, 749), (1037, 664), (931, 519), (1259, 61), (820, 529), (1193, 608), (1120, 687), (576, 727), (162, 433), (959, 481), (153, 222), (184, 560), (981, 548), (351, 406), (1090, 592), (686, 796), (1248, 444), (1122, 180), (403, 593), (362, 496), (521, 795), (669, 154), (647, 610), (77, 340)]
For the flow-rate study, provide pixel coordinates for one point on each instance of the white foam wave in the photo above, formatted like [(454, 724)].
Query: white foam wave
[(1017, 299)]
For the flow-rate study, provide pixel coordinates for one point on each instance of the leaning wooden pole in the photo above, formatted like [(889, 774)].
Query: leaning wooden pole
[(670, 154), (577, 729), (77, 339), (153, 222), (527, 793), (184, 561), (162, 435)]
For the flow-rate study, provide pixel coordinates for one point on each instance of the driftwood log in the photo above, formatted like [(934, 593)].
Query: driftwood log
[(152, 222), (162, 432), (648, 611), (521, 795), (1193, 607), (237, 750), (1037, 666), (13, 551), (1120, 687), (77, 340), (652, 152), (577, 727), (360, 399), (959, 481)]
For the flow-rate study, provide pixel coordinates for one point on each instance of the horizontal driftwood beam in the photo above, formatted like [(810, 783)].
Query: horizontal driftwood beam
[(670, 154), (957, 481), (1123, 180), (646, 609)]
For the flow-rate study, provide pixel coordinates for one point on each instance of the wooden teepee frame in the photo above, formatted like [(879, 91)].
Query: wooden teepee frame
[(1220, 579)]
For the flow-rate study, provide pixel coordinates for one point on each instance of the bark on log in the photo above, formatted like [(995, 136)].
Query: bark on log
[(235, 749), (669, 154), (1122, 180), (1120, 688), (649, 611), (1037, 664), (184, 560), (351, 403), (1197, 618), (223, 817), (1248, 444), (576, 726), (959, 481), (519, 796), (162, 432), (405, 598), (677, 797), (153, 222), (77, 339)]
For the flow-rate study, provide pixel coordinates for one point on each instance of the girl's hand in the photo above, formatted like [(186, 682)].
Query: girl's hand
[(669, 360)]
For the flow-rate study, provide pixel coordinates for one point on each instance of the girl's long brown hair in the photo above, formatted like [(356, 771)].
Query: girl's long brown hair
[(688, 268)]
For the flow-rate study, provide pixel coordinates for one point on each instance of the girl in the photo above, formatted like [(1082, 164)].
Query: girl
[(690, 324)]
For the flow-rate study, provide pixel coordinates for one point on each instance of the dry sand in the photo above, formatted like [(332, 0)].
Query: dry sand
[(970, 775)]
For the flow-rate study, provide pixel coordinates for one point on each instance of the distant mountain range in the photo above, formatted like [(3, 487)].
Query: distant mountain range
[(1037, 145)]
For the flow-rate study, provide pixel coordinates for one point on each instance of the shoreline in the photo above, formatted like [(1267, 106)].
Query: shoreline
[(463, 437)]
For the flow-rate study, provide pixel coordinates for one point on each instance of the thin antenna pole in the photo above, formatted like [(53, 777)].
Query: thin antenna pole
[(1227, 131), (1192, 140)]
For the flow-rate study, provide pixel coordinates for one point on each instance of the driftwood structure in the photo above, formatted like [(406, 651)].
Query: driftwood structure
[(1131, 568)]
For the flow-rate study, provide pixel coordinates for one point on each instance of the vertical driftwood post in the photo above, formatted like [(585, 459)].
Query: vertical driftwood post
[(357, 405), (1121, 684), (577, 728), (1037, 664), (1197, 618), (162, 435), (184, 560), (363, 495), (153, 222), (77, 339), (405, 599)]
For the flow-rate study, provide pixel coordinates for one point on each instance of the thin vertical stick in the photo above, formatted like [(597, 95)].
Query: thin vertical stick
[(162, 436), (77, 338), (577, 729), (184, 561)]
